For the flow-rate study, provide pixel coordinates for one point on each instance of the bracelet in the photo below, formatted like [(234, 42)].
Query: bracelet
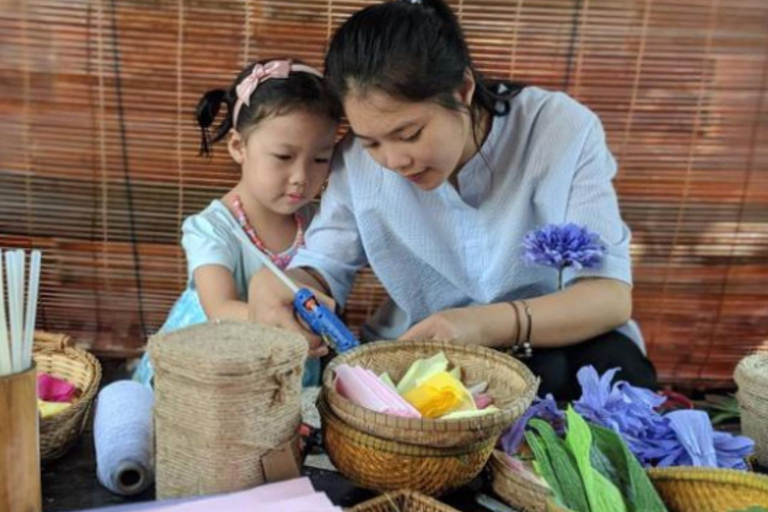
[(525, 350), (516, 339)]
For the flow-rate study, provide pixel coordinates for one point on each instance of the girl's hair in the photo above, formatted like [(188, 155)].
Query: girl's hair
[(273, 97), (412, 50)]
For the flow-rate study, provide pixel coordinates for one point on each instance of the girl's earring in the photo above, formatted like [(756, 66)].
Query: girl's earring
[(325, 186)]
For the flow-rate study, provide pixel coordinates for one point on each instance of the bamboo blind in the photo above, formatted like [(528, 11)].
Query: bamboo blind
[(98, 162)]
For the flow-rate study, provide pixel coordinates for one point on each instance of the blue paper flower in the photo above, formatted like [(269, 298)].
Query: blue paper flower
[(679, 438), (543, 408), (562, 246)]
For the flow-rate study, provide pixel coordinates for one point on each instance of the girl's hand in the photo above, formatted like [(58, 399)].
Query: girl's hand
[(270, 302), (489, 326)]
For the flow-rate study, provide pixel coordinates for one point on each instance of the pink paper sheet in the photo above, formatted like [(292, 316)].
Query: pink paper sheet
[(296, 495), (364, 388)]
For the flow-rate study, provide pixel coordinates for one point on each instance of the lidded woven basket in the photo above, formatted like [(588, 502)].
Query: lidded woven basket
[(226, 395)]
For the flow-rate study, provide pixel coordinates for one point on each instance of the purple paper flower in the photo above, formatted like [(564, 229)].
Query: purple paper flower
[(678, 438), (543, 408), (561, 246)]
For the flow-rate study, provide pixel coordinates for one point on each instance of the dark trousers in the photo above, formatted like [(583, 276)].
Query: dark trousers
[(557, 367)]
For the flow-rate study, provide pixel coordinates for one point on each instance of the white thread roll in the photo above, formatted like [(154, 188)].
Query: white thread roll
[(124, 437)]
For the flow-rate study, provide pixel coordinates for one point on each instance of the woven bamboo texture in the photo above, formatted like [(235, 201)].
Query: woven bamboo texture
[(225, 395), (752, 378), (682, 489), (54, 354), (383, 465), (510, 383), (404, 501), (709, 490), (516, 490), (99, 166)]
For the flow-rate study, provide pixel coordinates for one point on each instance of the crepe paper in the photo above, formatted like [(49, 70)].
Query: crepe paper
[(633, 412), (543, 408), (694, 431), (365, 389), (613, 459), (386, 379), (440, 394), (522, 468), (555, 463), (53, 389), (479, 388), (295, 495), (420, 370), (482, 401), (48, 409)]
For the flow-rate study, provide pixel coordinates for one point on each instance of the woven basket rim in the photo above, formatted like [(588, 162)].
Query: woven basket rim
[(746, 376), (713, 475), (404, 494), (390, 446), (503, 417)]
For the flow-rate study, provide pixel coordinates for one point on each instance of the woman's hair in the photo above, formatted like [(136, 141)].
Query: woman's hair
[(412, 50), (274, 97)]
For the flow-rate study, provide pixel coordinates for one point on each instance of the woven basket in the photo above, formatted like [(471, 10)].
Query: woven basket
[(685, 489), (404, 501), (516, 490), (688, 489), (385, 465), (751, 376), (510, 383), (55, 355)]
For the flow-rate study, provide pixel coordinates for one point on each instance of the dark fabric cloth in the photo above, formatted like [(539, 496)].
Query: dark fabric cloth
[(557, 367)]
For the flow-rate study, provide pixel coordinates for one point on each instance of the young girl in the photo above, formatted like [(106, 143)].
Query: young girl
[(441, 178), (280, 127)]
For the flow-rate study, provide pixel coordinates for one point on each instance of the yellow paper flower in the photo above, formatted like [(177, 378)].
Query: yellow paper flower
[(440, 394)]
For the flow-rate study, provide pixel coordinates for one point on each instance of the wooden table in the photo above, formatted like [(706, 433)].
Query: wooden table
[(70, 483)]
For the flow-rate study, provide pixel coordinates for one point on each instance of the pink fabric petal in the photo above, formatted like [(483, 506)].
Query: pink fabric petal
[(52, 389)]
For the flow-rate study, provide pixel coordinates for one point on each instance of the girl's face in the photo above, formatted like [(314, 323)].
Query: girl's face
[(423, 142), (285, 159)]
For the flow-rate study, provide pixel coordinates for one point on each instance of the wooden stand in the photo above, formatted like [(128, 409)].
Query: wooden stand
[(19, 447)]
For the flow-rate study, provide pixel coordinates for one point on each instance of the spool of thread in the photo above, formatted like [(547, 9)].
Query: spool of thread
[(123, 435)]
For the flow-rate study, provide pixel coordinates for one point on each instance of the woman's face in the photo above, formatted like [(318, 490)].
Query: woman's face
[(423, 142)]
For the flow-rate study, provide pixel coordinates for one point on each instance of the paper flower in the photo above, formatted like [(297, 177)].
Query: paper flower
[(562, 246), (678, 438), (543, 408)]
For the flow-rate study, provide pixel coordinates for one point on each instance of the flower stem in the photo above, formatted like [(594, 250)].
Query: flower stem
[(560, 279)]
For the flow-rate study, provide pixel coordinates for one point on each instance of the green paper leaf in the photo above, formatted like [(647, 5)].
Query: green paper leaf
[(602, 495), (611, 457), (564, 466)]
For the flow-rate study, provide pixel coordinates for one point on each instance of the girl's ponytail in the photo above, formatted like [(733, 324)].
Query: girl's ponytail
[(206, 111)]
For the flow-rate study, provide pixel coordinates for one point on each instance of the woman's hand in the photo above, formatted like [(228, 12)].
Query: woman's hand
[(490, 326), (270, 302)]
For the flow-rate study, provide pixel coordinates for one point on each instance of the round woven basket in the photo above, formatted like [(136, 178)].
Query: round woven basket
[(384, 465), (751, 376), (516, 490), (55, 355), (511, 385), (685, 489)]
